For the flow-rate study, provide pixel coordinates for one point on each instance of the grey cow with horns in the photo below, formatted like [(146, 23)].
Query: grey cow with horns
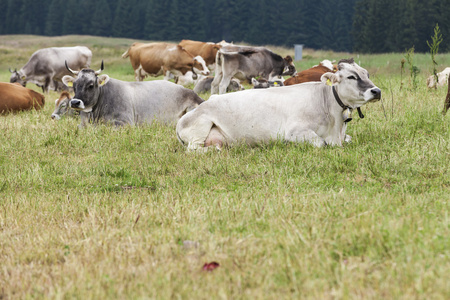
[(119, 102)]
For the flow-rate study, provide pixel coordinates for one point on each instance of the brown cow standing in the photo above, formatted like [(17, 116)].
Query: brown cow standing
[(163, 58), (206, 50), (312, 74), (14, 97)]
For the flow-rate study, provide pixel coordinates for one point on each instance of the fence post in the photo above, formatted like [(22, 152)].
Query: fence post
[(298, 52)]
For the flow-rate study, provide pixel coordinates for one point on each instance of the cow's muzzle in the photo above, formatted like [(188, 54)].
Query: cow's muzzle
[(77, 104), (376, 92), (55, 117)]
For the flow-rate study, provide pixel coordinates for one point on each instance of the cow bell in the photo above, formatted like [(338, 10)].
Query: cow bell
[(347, 115)]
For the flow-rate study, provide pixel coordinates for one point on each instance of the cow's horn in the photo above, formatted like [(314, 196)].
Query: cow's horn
[(70, 70), (11, 70), (101, 69)]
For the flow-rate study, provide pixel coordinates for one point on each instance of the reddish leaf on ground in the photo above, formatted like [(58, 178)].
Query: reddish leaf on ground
[(210, 266)]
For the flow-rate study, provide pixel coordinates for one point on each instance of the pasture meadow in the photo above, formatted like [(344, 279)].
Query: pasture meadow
[(105, 213)]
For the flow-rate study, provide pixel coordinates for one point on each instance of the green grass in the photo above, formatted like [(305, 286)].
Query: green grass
[(104, 213)]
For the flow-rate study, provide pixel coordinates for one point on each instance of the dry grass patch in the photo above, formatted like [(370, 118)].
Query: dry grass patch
[(127, 213)]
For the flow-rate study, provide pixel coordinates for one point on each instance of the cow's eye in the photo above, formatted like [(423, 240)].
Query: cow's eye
[(91, 86), (351, 77)]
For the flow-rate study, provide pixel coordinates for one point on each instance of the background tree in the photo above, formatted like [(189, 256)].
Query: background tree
[(340, 25), (55, 15), (102, 17)]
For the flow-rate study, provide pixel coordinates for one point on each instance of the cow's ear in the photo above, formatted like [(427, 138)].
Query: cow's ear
[(254, 81), (288, 59), (217, 47), (68, 80), (333, 78), (102, 79)]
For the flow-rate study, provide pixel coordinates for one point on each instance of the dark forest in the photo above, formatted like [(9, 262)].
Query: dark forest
[(367, 26)]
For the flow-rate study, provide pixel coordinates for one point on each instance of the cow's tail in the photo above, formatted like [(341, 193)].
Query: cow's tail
[(126, 54), (217, 73), (179, 139)]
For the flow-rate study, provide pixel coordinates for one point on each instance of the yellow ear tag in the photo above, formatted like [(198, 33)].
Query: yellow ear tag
[(275, 83), (102, 82), (23, 77), (70, 84), (329, 82)]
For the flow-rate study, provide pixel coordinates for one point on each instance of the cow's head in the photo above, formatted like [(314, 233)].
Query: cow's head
[(263, 83), (17, 76), (235, 85), (86, 87), (62, 106), (328, 64), (289, 68), (199, 66), (353, 84)]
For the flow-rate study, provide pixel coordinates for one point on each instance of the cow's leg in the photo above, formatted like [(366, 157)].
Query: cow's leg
[(302, 134), (46, 84), (137, 74), (167, 75), (217, 79), (224, 84), (55, 85)]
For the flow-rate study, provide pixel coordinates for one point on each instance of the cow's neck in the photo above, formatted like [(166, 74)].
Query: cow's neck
[(338, 99), (99, 106), (346, 109)]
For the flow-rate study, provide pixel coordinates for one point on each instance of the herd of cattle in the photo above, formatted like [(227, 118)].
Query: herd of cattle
[(312, 106)]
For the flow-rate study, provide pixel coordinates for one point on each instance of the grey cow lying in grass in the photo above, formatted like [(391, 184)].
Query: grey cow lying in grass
[(119, 102)]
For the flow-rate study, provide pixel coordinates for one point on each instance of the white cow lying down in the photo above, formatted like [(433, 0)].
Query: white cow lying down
[(308, 112)]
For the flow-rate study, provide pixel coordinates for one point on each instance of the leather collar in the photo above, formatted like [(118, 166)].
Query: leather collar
[(341, 104)]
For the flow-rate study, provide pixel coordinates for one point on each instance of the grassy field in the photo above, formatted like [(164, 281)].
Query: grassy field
[(105, 213)]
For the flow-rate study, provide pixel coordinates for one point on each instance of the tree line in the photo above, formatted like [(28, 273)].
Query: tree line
[(341, 25)]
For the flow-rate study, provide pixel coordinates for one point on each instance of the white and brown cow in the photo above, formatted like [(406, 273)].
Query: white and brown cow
[(206, 50), (156, 59), (312, 74), (309, 112), (62, 106)]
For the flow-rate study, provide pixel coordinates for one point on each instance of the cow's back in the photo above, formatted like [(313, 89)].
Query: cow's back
[(150, 56), (245, 65), (206, 50), (313, 74), (52, 61), (271, 111), (14, 97), (142, 102)]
